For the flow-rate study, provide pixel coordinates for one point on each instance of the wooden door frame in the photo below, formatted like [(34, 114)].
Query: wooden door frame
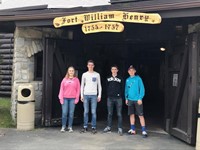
[(49, 57), (188, 73), (194, 84), (49, 47)]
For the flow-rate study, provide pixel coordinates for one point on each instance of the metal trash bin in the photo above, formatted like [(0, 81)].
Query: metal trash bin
[(26, 107)]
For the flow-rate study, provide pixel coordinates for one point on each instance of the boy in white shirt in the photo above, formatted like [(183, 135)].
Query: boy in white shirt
[(90, 93)]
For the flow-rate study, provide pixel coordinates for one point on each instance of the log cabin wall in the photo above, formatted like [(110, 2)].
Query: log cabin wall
[(6, 59)]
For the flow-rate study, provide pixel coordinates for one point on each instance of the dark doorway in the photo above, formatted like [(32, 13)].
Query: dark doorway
[(147, 58), (138, 45)]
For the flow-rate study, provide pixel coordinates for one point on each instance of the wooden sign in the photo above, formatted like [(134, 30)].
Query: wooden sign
[(102, 27), (120, 16)]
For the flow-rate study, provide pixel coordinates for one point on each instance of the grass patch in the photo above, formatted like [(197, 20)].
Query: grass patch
[(5, 117)]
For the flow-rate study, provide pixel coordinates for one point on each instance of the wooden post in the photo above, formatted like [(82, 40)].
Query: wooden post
[(198, 130)]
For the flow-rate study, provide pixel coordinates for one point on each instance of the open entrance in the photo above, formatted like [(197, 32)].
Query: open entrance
[(166, 75), (146, 57)]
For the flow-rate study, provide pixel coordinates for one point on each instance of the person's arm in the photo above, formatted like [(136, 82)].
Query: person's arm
[(82, 86), (141, 91), (122, 86), (60, 95), (126, 93), (77, 91), (107, 84), (99, 87)]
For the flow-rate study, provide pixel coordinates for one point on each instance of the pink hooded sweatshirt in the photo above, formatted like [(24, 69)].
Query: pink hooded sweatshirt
[(69, 88)]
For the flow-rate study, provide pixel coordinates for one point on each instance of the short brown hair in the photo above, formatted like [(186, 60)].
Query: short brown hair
[(90, 61), (131, 67), (115, 66)]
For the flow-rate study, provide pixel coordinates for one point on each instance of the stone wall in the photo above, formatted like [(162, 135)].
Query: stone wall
[(27, 42)]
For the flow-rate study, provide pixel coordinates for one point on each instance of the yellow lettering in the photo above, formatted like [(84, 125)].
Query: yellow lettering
[(141, 17), (86, 17), (118, 16), (63, 21), (102, 27), (111, 16), (135, 17), (146, 18), (125, 16)]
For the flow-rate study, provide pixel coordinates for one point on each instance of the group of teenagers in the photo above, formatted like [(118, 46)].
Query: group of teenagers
[(90, 91)]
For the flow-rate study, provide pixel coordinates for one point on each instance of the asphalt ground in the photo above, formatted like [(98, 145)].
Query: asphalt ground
[(52, 139)]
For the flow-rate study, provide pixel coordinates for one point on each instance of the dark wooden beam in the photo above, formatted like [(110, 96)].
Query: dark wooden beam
[(126, 1), (162, 7), (5, 93), (43, 22), (193, 12), (25, 8)]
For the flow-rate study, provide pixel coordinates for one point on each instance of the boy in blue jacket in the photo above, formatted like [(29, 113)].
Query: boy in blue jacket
[(134, 93)]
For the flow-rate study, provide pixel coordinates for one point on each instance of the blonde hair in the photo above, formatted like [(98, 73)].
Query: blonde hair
[(67, 74)]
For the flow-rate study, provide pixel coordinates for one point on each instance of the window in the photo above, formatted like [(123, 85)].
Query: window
[(38, 66)]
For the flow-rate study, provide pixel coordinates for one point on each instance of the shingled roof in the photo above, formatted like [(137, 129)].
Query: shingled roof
[(13, 4), (24, 10)]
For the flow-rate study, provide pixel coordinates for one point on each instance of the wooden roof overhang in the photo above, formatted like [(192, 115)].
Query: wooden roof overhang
[(43, 16)]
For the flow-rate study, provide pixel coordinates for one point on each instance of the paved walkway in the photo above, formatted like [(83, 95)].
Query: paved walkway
[(52, 139)]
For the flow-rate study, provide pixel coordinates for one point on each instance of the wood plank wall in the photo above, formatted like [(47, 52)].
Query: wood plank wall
[(6, 58)]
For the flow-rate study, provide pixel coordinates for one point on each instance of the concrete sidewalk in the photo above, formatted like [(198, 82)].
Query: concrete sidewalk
[(52, 139)]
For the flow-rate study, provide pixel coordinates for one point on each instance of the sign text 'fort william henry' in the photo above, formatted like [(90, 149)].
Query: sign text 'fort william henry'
[(119, 16)]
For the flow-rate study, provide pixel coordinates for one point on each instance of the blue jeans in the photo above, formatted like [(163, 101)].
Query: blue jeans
[(110, 105), (92, 99), (68, 111)]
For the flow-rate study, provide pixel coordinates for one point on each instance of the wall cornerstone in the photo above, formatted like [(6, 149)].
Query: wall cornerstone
[(27, 42)]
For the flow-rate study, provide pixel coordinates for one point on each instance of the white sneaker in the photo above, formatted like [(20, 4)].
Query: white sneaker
[(120, 131), (70, 130), (107, 130), (62, 129), (131, 131), (144, 134)]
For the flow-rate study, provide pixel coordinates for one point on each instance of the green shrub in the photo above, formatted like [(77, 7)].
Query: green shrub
[(5, 116)]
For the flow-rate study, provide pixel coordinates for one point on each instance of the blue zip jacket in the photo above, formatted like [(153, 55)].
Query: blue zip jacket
[(134, 88)]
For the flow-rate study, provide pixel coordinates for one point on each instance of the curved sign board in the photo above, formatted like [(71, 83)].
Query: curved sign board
[(120, 16), (102, 27)]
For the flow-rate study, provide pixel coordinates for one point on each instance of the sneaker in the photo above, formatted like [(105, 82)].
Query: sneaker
[(131, 131), (107, 130), (70, 130), (84, 130), (62, 129), (94, 131), (120, 131), (144, 134)]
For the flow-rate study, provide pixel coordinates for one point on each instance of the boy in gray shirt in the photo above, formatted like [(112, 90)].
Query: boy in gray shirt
[(90, 93)]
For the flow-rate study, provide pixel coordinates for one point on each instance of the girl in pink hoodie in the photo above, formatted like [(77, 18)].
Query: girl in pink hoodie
[(69, 96)]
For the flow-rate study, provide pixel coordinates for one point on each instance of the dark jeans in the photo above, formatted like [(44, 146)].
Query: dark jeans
[(110, 105)]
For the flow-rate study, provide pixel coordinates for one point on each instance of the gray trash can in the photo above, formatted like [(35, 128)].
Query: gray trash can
[(26, 107)]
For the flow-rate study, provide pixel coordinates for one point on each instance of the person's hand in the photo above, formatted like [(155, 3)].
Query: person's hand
[(98, 99), (139, 102), (82, 99), (126, 102), (76, 101)]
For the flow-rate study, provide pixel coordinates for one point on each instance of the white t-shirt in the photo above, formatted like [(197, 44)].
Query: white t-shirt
[(91, 84)]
